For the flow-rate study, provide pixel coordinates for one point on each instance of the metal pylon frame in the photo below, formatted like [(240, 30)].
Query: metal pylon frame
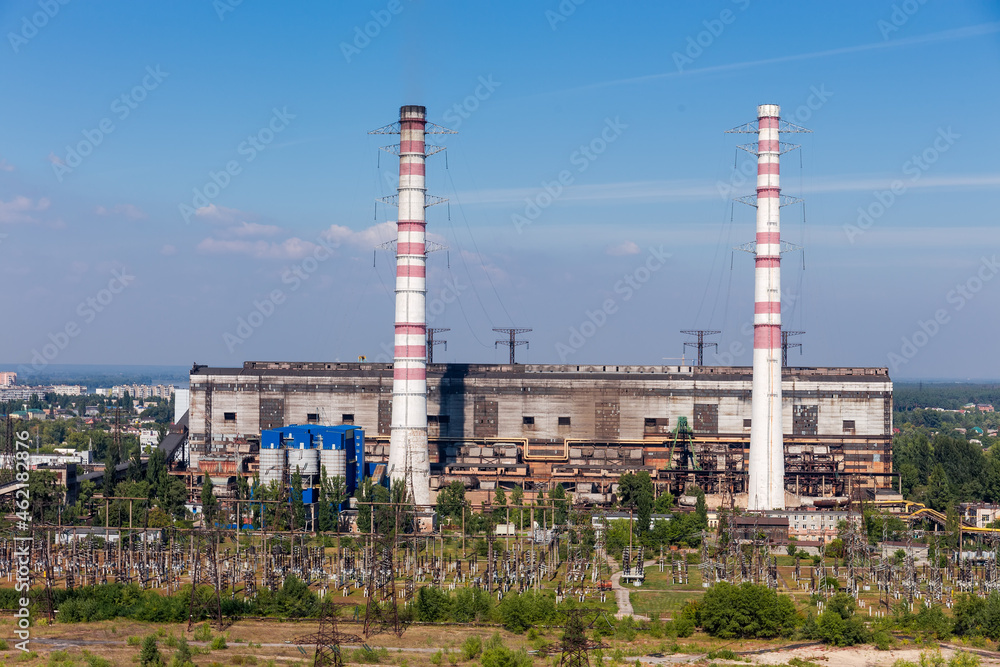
[(207, 575), (328, 638)]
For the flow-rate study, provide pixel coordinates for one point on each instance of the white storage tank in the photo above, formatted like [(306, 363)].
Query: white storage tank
[(271, 465), (335, 462), (307, 461)]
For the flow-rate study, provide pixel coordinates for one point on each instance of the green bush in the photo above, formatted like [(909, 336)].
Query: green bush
[(96, 660), (60, 659), (219, 643), (182, 656), (684, 626), (883, 640), (501, 656), (133, 640), (371, 656), (4, 645), (432, 605), (723, 654), (747, 611), (472, 647), (963, 659), (149, 656), (519, 611), (203, 633), (832, 628)]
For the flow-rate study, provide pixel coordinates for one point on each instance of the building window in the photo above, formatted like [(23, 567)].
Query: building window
[(656, 425), (528, 421), (746, 423), (229, 416), (347, 419), (438, 419), (849, 426), (564, 421), (312, 417)]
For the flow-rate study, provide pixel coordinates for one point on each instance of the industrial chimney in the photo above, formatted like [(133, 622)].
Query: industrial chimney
[(767, 452), (408, 456)]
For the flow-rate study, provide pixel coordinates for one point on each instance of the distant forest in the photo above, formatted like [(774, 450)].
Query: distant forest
[(940, 465), (950, 396)]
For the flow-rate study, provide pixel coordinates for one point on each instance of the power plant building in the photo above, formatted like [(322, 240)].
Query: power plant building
[(765, 438), (583, 426)]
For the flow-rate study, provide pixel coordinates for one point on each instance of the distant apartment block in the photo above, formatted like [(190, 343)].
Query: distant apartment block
[(21, 392), (143, 390), (69, 389), (8, 379)]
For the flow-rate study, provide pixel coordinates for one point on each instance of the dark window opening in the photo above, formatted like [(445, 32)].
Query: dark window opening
[(528, 421), (656, 425), (312, 417), (848, 426), (347, 419), (564, 421), (438, 419), (229, 416), (746, 423)]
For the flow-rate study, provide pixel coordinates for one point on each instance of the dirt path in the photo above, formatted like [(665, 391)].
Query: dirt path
[(622, 593)]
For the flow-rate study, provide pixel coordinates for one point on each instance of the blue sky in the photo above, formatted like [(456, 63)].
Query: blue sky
[(118, 112)]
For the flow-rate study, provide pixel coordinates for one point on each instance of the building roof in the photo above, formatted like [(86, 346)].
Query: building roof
[(762, 521), (567, 371)]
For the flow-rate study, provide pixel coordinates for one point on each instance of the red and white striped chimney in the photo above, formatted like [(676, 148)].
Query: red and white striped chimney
[(408, 438), (767, 452)]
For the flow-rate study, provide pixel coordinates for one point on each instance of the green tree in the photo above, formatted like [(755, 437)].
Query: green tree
[(663, 503), (451, 501), (149, 656), (560, 504), (635, 491), (209, 503), (793, 546), (700, 506), (835, 549), (432, 605), (747, 611), (838, 625), (298, 505), (156, 471), (46, 495), (517, 500)]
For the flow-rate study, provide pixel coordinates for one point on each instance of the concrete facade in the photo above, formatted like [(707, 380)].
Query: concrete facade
[(582, 425)]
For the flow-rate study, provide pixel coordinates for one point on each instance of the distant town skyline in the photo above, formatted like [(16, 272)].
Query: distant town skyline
[(194, 181)]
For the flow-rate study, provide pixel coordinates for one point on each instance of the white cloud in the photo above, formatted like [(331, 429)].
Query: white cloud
[(127, 211), (366, 238), (626, 248), (54, 159), (19, 209), (252, 229), (293, 248), (221, 214)]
